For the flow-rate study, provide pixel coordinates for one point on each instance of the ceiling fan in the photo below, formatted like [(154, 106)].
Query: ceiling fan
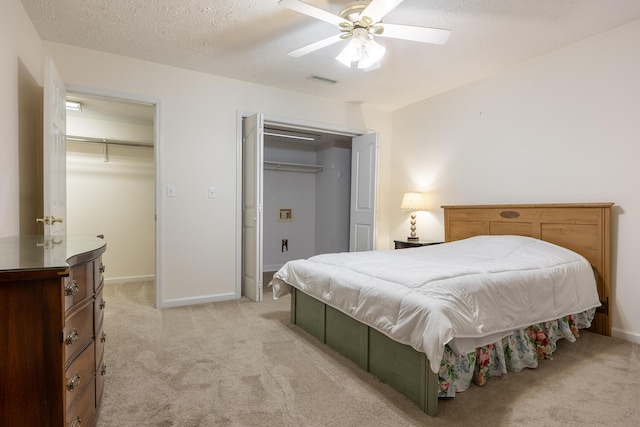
[(360, 22)]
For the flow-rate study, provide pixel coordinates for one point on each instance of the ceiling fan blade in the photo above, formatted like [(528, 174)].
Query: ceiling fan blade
[(314, 12), (315, 46), (377, 9), (417, 34)]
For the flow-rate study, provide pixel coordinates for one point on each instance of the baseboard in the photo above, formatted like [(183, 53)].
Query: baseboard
[(118, 280), (197, 300), (627, 336), (271, 267)]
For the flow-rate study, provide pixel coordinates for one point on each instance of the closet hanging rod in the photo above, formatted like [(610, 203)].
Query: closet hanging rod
[(142, 144), (292, 167)]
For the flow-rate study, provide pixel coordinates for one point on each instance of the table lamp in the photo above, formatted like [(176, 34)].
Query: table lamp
[(413, 202)]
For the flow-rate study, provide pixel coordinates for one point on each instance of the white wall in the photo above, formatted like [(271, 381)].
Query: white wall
[(109, 129), (292, 190), (198, 143), (296, 191), (320, 201), (333, 198), (18, 43), (564, 127), (114, 198)]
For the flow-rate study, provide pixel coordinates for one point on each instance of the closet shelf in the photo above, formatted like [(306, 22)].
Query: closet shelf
[(292, 167)]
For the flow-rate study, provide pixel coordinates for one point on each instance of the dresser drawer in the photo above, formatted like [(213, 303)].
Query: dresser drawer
[(101, 339), (79, 285), (78, 330), (100, 305), (83, 411), (98, 273), (101, 374), (79, 374)]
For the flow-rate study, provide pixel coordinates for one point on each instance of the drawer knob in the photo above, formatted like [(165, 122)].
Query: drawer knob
[(102, 305), (103, 370), (77, 422), (102, 268), (74, 382), (103, 337), (71, 288), (72, 337)]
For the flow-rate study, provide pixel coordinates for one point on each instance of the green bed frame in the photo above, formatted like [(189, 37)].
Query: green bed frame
[(398, 365)]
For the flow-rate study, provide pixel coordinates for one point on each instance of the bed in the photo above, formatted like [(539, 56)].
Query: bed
[(407, 319)]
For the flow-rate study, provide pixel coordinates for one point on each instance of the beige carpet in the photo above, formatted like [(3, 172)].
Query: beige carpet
[(241, 363)]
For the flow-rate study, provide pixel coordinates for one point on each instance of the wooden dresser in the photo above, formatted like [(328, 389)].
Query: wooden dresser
[(51, 331)]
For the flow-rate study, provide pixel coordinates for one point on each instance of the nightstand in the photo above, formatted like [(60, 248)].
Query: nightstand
[(403, 244)]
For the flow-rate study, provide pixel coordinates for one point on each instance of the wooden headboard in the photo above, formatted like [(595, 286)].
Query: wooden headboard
[(584, 228)]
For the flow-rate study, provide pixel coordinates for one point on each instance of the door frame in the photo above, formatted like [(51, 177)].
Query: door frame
[(157, 153), (287, 122)]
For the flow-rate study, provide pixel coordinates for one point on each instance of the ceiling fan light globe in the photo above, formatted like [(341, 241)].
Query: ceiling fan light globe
[(352, 52), (368, 65), (373, 50), (368, 62), (343, 59)]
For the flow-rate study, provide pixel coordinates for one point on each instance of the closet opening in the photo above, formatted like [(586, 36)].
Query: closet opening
[(306, 195), (111, 166), (304, 190)]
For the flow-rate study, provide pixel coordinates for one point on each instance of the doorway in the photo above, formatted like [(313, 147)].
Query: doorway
[(111, 175)]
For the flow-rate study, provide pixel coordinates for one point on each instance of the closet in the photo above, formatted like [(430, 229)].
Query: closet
[(305, 191), (306, 196), (110, 178)]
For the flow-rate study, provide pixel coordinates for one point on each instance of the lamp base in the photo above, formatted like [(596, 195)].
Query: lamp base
[(413, 239)]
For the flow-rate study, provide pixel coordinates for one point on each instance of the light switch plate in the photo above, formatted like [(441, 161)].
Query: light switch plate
[(171, 190), (212, 192)]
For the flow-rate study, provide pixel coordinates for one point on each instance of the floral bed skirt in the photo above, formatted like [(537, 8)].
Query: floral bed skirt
[(522, 349)]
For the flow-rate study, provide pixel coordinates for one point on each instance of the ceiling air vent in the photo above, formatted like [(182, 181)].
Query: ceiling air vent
[(322, 79)]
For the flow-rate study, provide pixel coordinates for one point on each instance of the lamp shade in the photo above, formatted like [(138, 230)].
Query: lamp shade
[(413, 201), (363, 50)]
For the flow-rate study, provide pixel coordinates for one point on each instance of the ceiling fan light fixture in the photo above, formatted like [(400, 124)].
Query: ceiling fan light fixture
[(363, 17), (362, 49)]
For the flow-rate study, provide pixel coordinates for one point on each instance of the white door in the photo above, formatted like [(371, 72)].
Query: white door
[(54, 153), (364, 151), (252, 156)]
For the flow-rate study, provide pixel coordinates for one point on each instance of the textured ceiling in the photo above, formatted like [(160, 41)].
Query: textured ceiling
[(249, 39)]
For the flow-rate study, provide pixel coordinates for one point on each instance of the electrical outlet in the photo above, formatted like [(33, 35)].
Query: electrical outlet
[(285, 245)]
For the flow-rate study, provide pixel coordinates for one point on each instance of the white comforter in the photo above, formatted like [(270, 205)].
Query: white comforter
[(465, 293)]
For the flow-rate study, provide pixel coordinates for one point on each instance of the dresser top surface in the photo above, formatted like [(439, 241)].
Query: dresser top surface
[(43, 252)]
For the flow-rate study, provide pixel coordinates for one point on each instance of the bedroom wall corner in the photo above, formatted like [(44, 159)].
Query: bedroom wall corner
[(20, 52)]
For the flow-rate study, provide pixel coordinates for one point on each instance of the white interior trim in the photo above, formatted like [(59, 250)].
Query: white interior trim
[(181, 302), (118, 280), (311, 126), (627, 336)]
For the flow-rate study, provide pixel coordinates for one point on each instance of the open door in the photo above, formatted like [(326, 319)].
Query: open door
[(252, 156), (54, 168), (364, 150)]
